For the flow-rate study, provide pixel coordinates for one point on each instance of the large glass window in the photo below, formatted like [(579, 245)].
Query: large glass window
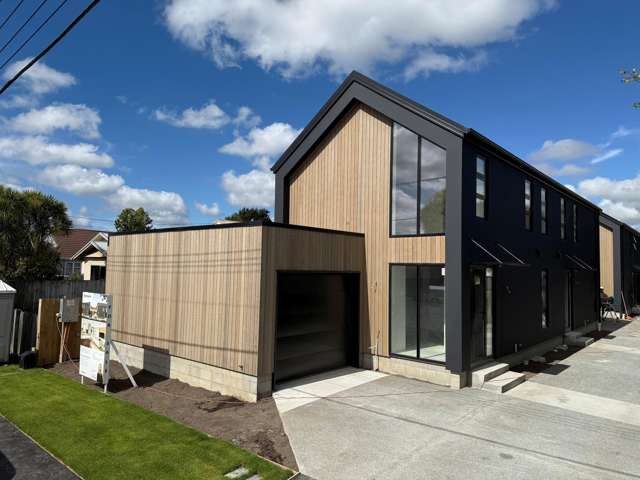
[(574, 224), (481, 188), (563, 220), (417, 312), (543, 210), (418, 185), (527, 204), (544, 297)]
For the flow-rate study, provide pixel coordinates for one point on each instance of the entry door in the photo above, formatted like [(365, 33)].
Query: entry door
[(482, 314), (568, 302)]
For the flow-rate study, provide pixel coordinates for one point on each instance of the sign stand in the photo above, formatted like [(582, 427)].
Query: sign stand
[(96, 339)]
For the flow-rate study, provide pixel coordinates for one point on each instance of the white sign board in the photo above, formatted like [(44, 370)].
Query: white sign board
[(95, 336)]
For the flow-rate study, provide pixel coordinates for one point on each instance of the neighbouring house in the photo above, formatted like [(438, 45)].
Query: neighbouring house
[(93, 257), (620, 263), (67, 246), (403, 242)]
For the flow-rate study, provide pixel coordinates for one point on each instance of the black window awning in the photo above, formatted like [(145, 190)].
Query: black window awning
[(579, 263), (496, 254)]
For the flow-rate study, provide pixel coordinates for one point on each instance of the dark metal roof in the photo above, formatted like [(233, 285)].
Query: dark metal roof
[(423, 112)]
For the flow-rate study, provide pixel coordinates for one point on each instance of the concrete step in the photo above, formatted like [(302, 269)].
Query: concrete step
[(504, 382), (579, 341), (487, 372)]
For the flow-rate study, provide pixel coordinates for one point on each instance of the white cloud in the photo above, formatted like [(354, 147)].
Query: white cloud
[(38, 150), (40, 79), (253, 189), (18, 101), (79, 119), (607, 155), (623, 131), (81, 220), (260, 145), (165, 208), (619, 198), (430, 61), (123, 99), (246, 118), (565, 149), (567, 170), (299, 36), (212, 210), (80, 181), (209, 116)]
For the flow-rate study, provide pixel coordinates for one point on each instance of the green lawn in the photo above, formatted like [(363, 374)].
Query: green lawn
[(102, 437)]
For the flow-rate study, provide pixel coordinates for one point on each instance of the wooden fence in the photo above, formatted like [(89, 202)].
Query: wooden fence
[(29, 293), (49, 334)]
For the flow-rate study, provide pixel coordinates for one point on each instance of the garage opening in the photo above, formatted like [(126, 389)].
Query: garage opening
[(317, 323)]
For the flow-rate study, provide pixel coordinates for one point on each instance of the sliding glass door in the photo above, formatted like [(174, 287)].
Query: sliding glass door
[(416, 311)]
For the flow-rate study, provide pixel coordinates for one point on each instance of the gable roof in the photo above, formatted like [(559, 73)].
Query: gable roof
[(360, 88), (69, 244), (98, 243)]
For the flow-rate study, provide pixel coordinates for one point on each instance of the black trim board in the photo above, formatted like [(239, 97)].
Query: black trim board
[(359, 88), (259, 223)]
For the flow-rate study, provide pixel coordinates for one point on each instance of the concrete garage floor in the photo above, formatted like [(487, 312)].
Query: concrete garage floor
[(583, 422)]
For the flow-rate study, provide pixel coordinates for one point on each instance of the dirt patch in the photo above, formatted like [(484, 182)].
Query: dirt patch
[(253, 426)]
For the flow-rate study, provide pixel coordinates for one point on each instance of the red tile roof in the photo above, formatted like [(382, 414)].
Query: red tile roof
[(77, 238)]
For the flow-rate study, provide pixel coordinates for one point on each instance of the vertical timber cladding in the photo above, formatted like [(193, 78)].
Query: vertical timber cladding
[(189, 293), (606, 260), (299, 250), (344, 184)]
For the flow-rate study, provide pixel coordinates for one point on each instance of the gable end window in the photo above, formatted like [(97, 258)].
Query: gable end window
[(481, 188), (418, 185), (543, 210), (527, 204)]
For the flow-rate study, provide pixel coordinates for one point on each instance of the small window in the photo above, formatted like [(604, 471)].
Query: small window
[(543, 211), (527, 204), (574, 226), (544, 297), (481, 188), (563, 220)]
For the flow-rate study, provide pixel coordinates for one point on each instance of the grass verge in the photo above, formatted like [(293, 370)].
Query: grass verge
[(102, 437)]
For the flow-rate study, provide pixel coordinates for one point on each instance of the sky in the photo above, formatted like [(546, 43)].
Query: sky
[(181, 106)]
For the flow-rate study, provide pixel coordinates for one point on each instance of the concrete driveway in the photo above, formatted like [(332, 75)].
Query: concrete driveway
[(583, 422)]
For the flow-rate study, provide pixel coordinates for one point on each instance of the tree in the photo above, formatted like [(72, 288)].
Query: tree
[(250, 215), (28, 221), (631, 76), (131, 221)]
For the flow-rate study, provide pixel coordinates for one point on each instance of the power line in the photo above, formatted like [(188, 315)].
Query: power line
[(46, 20), (23, 25), (11, 14), (48, 47)]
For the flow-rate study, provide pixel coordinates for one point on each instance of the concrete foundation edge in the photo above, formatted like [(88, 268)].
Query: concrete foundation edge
[(227, 382), (436, 374)]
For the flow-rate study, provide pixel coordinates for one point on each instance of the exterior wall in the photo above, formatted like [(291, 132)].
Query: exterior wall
[(630, 265), (344, 184), (606, 261), (97, 259), (518, 307), (193, 294), (289, 249)]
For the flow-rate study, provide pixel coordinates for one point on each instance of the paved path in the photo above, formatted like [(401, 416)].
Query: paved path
[(22, 459), (583, 426)]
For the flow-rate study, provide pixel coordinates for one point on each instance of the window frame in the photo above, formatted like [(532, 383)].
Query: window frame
[(563, 219), (486, 188), (390, 330), (544, 297), (574, 223), (419, 188), (544, 211), (528, 211)]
